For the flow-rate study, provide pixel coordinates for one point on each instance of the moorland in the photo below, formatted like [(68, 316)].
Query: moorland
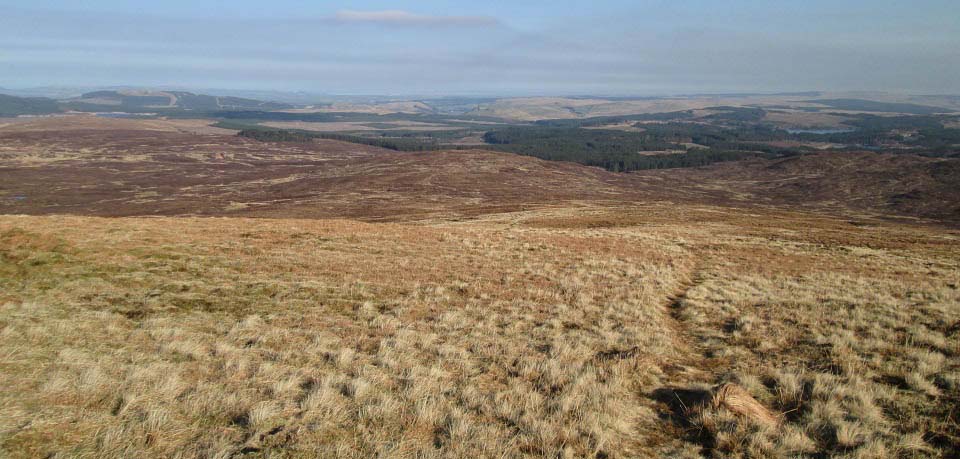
[(738, 276)]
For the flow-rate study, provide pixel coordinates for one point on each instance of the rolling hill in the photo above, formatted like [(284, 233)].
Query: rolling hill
[(15, 106), (138, 101), (97, 166), (456, 304), (870, 182), (146, 101)]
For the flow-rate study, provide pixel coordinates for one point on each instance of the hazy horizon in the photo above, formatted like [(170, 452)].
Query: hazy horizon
[(430, 48), (27, 90)]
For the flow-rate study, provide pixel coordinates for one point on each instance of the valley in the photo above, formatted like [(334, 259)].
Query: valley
[(479, 230), (171, 288)]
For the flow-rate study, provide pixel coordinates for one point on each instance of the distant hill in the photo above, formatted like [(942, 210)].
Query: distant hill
[(145, 101), (14, 106), (187, 164), (863, 105), (133, 101)]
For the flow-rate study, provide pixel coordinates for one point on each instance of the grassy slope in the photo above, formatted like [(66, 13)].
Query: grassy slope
[(548, 333)]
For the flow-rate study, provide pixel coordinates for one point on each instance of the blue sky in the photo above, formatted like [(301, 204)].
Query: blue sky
[(491, 47)]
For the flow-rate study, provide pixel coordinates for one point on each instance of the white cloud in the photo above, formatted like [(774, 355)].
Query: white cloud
[(405, 18)]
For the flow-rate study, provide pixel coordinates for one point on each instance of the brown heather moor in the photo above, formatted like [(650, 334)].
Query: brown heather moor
[(500, 306), (558, 332)]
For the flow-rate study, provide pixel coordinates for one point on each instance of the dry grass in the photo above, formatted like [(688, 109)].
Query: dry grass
[(554, 333)]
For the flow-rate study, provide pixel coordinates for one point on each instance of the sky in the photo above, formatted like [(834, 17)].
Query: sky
[(493, 47)]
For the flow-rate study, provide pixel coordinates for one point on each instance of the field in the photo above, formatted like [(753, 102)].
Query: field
[(172, 291)]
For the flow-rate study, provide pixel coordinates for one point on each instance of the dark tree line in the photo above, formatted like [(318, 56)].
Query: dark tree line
[(668, 144), (623, 151)]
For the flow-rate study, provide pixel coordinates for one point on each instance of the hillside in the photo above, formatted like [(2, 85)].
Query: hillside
[(479, 230), (15, 106), (132, 102), (140, 101), (862, 181), (874, 106), (570, 331), (117, 167), (466, 303), (540, 108)]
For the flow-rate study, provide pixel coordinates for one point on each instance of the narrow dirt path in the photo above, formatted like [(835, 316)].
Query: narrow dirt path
[(686, 381), (692, 367)]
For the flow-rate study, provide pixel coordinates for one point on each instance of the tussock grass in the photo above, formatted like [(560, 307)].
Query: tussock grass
[(552, 333)]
